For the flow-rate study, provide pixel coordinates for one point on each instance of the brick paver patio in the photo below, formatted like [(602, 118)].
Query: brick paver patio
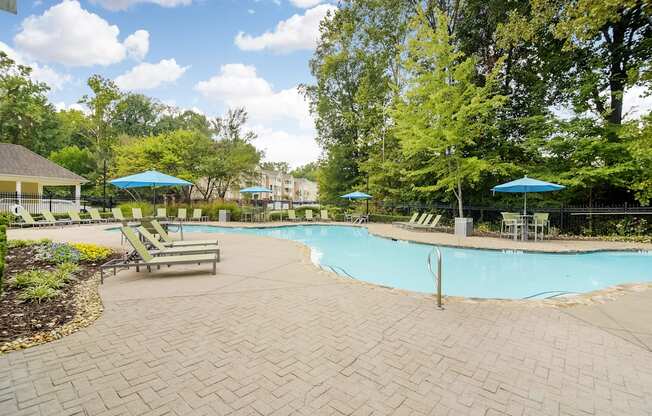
[(273, 335)]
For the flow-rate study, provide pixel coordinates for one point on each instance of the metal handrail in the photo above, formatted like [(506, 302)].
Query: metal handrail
[(436, 276)]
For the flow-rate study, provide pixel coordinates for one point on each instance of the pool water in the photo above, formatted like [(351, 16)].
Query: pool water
[(354, 252)]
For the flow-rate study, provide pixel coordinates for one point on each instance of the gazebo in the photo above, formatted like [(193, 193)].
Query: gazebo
[(23, 174)]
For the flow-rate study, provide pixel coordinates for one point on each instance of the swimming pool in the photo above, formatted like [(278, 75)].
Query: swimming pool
[(466, 272)]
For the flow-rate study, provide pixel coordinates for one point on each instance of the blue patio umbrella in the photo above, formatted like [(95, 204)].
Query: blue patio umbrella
[(255, 190), (150, 178), (525, 185), (356, 195)]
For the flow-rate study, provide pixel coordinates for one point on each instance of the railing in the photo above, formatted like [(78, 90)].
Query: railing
[(436, 276), (37, 205)]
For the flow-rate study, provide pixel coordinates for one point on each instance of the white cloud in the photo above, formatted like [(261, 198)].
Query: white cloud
[(296, 33), (283, 146), (304, 4), (137, 44), (62, 106), (147, 76), (40, 73), (115, 5), (636, 102), (70, 35), (239, 85)]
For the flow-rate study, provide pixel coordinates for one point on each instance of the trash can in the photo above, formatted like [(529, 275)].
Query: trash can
[(463, 227), (224, 215)]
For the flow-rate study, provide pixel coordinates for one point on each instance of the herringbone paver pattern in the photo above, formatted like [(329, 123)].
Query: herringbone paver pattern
[(291, 340)]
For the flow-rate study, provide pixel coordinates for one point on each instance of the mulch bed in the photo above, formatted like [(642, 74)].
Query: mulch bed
[(21, 320)]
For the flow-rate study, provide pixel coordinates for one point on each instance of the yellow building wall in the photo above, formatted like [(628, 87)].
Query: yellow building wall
[(7, 186), (26, 187), (29, 188)]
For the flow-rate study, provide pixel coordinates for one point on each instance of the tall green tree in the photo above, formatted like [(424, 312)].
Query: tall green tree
[(26, 116), (443, 114)]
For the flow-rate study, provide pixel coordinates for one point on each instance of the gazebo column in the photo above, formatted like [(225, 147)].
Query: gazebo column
[(78, 196), (19, 192)]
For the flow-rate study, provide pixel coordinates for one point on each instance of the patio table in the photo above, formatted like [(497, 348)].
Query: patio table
[(525, 219)]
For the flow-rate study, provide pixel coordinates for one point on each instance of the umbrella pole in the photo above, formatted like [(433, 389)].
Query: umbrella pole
[(524, 203)]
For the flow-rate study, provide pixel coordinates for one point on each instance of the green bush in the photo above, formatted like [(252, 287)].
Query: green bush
[(38, 294), (27, 243), (146, 208), (387, 218)]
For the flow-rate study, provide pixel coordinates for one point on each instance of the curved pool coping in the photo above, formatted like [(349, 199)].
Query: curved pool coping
[(587, 298)]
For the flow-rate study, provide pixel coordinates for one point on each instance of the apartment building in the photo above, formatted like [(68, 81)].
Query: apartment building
[(284, 187)]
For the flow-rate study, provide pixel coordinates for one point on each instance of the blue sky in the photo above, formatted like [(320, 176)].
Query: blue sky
[(206, 55)]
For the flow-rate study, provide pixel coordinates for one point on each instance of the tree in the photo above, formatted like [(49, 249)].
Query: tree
[(80, 161), (605, 44), (136, 115), (172, 119), (233, 160), (282, 167), (26, 116), (307, 171), (443, 113)]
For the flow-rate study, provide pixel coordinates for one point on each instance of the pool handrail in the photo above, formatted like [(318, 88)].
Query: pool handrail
[(436, 276)]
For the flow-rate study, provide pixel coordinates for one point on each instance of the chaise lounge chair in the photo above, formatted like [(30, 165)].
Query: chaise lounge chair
[(159, 249), (308, 214), (161, 213), (137, 214), (169, 242), (28, 220), (47, 215), (96, 216), (427, 225), (324, 215), (182, 214), (413, 220), (76, 219), (117, 214), (196, 215), (292, 215), (141, 257)]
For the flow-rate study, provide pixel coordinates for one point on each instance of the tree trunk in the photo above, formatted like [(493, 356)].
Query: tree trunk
[(460, 204)]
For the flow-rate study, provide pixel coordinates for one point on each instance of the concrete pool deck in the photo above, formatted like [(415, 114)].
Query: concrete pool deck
[(273, 334)]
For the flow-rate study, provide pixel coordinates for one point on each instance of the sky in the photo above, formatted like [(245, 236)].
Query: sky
[(204, 55)]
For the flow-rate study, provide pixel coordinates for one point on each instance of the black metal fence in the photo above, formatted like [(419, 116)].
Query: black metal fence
[(589, 220)]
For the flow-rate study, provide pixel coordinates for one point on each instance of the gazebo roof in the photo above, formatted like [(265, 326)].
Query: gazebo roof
[(16, 160)]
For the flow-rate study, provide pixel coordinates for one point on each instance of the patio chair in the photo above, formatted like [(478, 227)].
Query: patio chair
[(28, 220), (362, 219), (196, 215), (292, 215), (47, 215), (141, 257), (161, 213), (160, 248), (182, 214), (76, 219), (96, 216), (308, 215), (510, 224), (539, 220), (324, 215), (137, 214), (412, 221), (169, 242), (117, 214)]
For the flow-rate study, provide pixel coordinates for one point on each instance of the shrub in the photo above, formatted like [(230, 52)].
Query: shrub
[(211, 209), (27, 243), (146, 208), (43, 278), (387, 218), (91, 252), (38, 294)]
